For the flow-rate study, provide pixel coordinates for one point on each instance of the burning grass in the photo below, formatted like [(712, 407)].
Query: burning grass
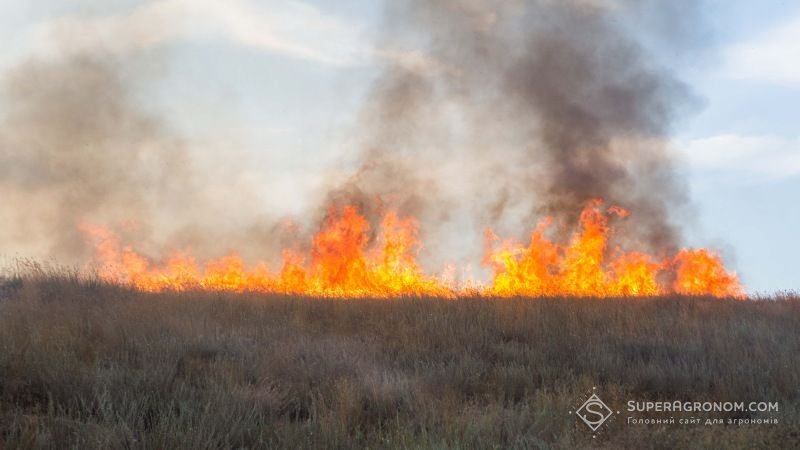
[(344, 262), (88, 364)]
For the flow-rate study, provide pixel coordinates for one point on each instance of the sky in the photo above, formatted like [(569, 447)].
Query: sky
[(281, 82)]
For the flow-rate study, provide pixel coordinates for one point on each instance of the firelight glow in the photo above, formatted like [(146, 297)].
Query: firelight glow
[(344, 263)]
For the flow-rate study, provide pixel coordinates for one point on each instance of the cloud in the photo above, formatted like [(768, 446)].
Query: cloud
[(766, 156), (770, 57), (289, 28), (415, 61)]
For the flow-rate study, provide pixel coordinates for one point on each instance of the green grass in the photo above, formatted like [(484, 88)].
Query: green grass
[(88, 365)]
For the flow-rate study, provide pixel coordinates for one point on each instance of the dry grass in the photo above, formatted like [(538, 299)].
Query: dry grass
[(87, 365)]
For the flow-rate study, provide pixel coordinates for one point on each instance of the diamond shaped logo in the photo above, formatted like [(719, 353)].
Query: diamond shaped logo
[(594, 412)]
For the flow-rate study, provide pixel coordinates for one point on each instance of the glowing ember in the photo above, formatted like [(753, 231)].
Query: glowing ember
[(344, 263)]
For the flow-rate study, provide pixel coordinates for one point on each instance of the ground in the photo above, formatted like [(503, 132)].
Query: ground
[(87, 365)]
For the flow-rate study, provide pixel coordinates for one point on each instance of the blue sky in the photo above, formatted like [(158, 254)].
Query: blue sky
[(278, 83)]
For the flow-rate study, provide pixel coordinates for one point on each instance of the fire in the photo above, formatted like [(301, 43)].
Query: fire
[(700, 271), (583, 267), (342, 264), (345, 262)]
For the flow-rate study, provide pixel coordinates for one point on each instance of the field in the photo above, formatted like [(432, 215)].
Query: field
[(88, 365)]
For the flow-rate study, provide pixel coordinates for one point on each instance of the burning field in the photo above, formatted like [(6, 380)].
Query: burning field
[(506, 228), (344, 262), (502, 150)]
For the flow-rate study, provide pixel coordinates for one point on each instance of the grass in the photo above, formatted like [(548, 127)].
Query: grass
[(88, 365)]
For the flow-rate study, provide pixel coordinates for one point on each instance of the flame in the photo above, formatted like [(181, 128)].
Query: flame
[(345, 262), (702, 272), (580, 269), (342, 264)]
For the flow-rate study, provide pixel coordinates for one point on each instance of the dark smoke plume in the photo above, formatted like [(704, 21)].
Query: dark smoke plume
[(484, 113), (528, 108)]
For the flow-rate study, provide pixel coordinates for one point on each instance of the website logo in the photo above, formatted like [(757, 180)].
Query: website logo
[(594, 412)]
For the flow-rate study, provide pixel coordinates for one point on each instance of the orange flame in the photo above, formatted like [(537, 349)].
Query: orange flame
[(346, 263), (579, 269), (702, 272)]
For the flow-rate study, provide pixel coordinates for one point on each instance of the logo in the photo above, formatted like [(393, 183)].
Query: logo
[(594, 412)]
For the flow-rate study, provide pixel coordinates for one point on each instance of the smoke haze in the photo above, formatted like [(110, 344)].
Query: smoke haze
[(525, 109), (485, 113)]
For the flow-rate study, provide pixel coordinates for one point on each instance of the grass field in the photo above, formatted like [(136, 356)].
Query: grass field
[(88, 365)]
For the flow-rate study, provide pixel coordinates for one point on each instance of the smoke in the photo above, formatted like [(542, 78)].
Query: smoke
[(483, 113), (518, 109), (79, 146), (75, 147)]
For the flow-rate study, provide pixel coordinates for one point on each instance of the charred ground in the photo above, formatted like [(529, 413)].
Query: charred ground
[(89, 365)]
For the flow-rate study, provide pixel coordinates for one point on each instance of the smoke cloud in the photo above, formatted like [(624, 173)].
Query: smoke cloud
[(484, 113), (78, 146), (75, 147), (519, 109)]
